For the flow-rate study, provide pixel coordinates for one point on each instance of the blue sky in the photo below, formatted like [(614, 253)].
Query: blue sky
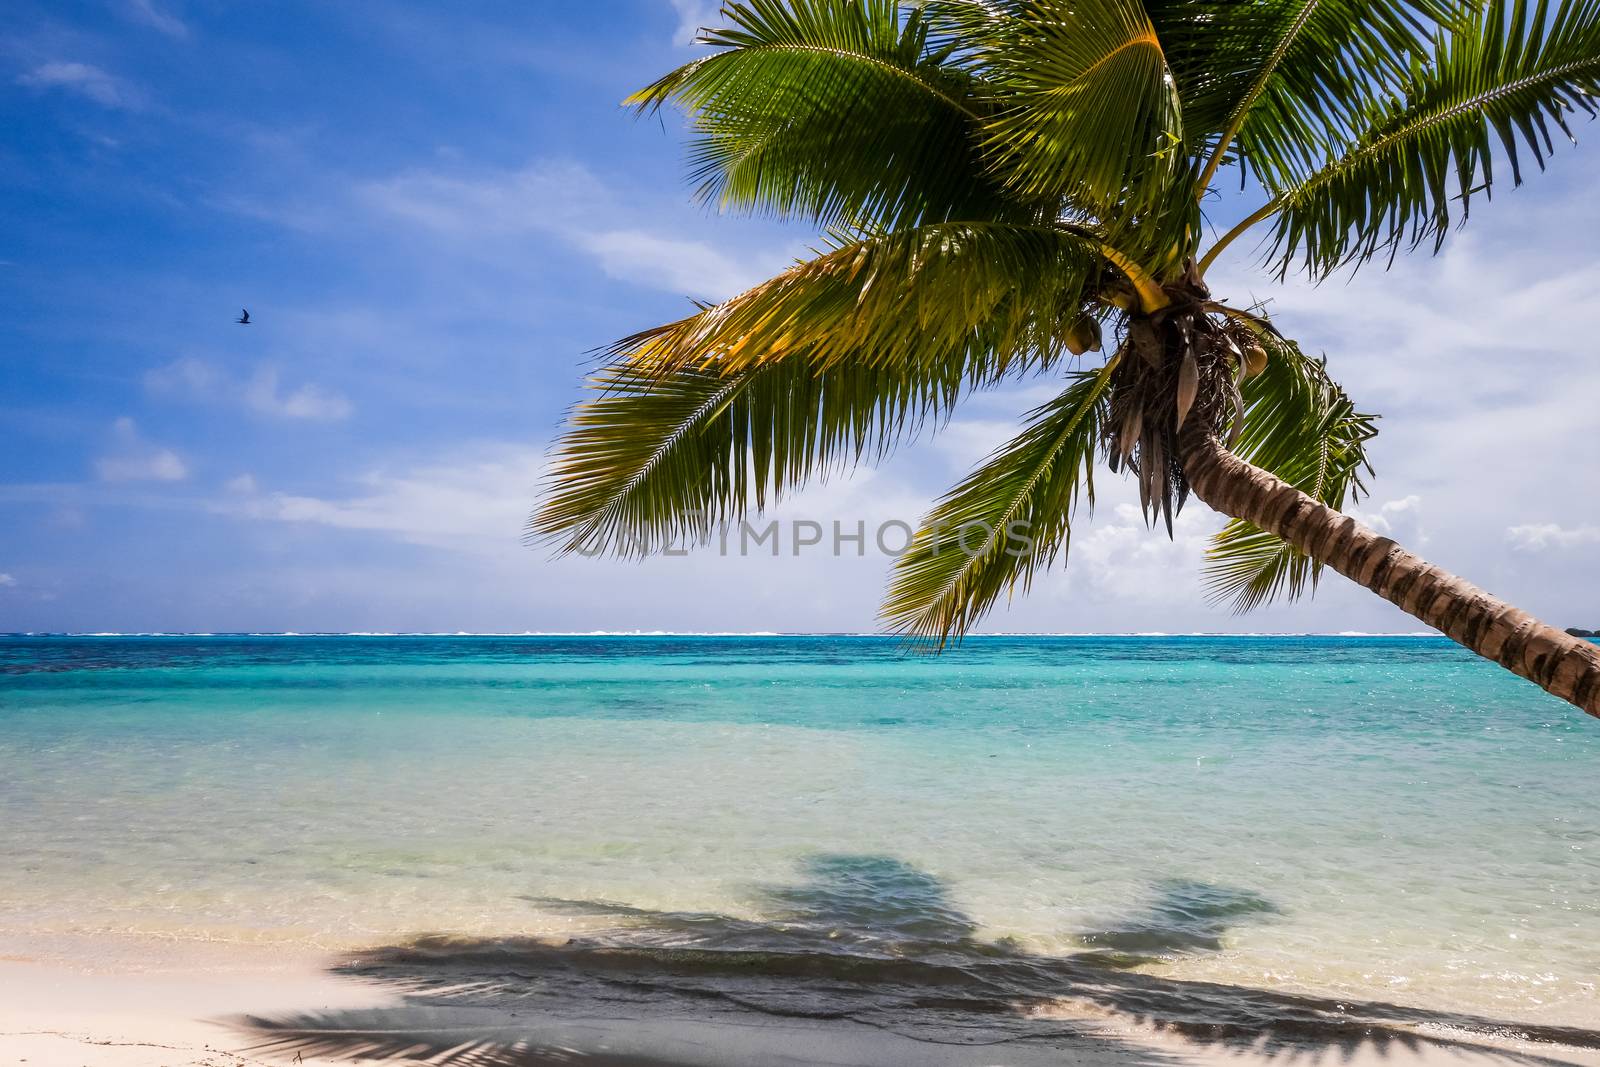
[(435, 211)]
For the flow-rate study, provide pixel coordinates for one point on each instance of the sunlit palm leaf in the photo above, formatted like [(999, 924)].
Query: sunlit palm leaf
[(1009, 517), (651, 462), (1005, 294), (700, 419), (1092, 114), (1509, 74), (1299, 425), (839, 111)]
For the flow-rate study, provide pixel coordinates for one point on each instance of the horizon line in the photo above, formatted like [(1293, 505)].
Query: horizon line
[(706, 633)]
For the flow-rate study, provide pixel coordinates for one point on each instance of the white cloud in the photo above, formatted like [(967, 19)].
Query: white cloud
[(262, 392), (468, 509), (134, 459), (692, 15), (147, 12), (477, 500), (566, 201), (193, 377), (1116, 556), (471, 503), (243, 484), (679, 266), (967, 442), (1536, 537), (7, 580), (541, 196), (87, 81), (1400, 519), (306, 402), (161, 465)]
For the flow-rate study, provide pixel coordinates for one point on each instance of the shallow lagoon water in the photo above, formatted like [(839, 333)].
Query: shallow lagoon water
[(1372, 818)]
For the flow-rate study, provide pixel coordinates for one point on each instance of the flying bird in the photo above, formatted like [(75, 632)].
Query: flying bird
[(244, 318)]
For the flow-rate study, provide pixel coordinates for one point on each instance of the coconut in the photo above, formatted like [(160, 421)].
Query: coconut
[(1255, 359), (1083, 335)]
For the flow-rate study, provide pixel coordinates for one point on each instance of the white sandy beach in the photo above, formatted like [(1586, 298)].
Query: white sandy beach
[(214, 1008)]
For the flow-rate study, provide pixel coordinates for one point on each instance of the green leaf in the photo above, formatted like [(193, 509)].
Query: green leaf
[(655, 461), (1004, 294), (1507, 75), (1275, 83), (1092, 115), (1300, 426), (1009, 517), (837, 111)]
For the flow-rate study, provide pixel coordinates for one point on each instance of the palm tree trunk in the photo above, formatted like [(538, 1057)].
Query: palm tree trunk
[(1566, 666)]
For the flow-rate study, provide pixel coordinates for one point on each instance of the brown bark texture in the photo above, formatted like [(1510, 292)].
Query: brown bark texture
[(1566, 666)]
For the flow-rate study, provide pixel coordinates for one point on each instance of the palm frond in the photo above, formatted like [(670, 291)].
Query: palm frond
[(1005, 294), (1009, 517), (653, 461), (1272, 85), (1092, 115), (834, 111), (1300, 426), (1507, 74), (700, 419)]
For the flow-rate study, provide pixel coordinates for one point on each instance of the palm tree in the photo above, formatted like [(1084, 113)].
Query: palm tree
[(1005, 183)]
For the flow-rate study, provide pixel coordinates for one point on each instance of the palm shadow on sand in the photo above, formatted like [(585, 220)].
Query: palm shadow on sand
[(866, 960)]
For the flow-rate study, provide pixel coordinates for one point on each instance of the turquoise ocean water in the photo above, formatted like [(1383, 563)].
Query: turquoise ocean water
[(1347, 817)]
